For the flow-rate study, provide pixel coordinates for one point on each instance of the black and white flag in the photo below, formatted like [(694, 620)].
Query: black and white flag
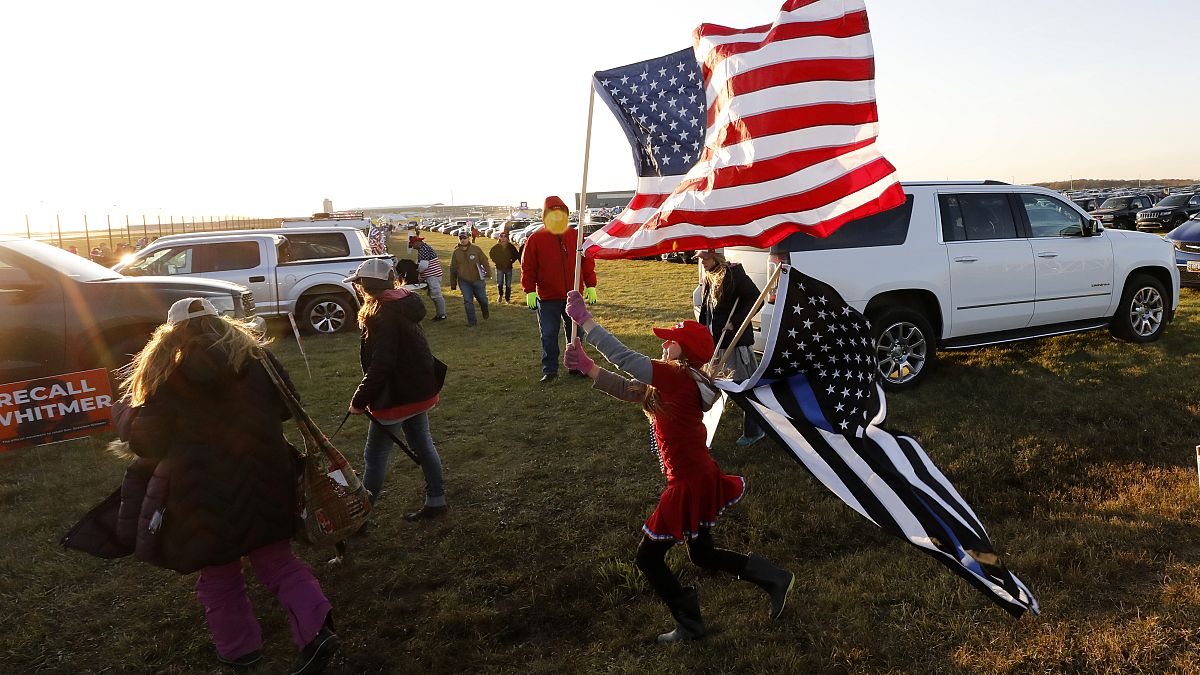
[(815, 393)]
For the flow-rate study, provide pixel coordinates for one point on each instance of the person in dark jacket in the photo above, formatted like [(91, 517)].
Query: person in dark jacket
[(728, 295), (504, 255), (401, 381), (216, 480)]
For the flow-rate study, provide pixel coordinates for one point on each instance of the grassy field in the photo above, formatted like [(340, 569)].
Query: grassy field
[(1077, 453)]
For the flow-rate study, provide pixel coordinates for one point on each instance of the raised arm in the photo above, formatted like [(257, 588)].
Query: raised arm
[(637, 365), (606, 381)]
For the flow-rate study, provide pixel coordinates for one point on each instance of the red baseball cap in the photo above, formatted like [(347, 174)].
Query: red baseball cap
[(693, 337)]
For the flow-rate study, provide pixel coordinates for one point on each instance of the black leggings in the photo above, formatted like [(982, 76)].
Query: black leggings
[(651, 560)]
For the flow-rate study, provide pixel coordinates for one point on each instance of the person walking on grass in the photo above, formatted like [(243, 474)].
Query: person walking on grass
[(726, 298), (400, 385), (429, 271), (504, 254), (547, 273), (204, 417), (674, 391), (469, 270)]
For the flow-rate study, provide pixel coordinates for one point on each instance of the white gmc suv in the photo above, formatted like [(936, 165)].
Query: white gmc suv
[(963, 265)]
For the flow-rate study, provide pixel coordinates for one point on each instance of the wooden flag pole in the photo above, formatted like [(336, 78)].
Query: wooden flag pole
[(762, 297), (587, 150)]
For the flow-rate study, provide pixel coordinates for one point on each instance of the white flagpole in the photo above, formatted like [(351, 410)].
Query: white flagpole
[(587, 149)]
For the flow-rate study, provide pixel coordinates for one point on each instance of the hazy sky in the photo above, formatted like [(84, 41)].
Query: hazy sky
[(264, 108)]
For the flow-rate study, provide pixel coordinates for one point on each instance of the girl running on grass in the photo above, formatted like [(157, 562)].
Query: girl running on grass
[(215, 481), (674, 392)]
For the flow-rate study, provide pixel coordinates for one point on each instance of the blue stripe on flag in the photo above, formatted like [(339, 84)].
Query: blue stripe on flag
[(803, 392), (964, 558)]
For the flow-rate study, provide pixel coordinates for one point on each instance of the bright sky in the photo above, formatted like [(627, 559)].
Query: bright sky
[(264, 108)]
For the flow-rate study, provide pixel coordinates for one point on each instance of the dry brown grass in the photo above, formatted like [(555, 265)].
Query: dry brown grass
[(1077, 452)]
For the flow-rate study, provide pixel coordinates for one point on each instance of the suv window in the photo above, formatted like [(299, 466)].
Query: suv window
[(1141, 203), (165, 261), (315, 245), (977, 217), (232, 255), (12, 277), (889, 228), (236, 255), (1048, 217)]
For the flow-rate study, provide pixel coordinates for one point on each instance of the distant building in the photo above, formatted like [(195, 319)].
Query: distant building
[(327, 206), (606, 200)]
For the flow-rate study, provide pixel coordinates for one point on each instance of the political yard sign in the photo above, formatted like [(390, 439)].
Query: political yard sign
[(55, 408)]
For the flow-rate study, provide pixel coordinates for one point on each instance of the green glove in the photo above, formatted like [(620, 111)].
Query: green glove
[(531, 299), (589, 294)]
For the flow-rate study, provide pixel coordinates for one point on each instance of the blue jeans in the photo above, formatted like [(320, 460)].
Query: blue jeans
[(478, 291), (504, 284), (379, 449), (551, 315)]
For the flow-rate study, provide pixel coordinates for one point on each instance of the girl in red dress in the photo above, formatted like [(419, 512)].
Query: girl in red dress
[(675, 392)]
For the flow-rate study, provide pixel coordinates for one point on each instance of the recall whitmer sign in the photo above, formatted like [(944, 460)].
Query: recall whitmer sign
[(55, 408)]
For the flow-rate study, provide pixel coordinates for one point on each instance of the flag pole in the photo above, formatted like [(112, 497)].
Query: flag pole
[(587, 149), (762, 297)]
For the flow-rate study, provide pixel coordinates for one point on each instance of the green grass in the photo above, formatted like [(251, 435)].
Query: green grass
[(1077, 453)]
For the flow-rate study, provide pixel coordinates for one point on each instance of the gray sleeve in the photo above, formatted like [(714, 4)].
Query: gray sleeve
[(617, 387), (637, 365)]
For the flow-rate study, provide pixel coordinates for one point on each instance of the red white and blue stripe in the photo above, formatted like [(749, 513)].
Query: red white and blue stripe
[(751, 135)]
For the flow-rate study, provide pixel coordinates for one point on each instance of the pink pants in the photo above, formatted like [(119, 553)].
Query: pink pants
[(222, 591)]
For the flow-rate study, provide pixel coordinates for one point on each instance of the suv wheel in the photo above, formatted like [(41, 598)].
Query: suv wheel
[(327, 314), (904, 346), (1142, 314)]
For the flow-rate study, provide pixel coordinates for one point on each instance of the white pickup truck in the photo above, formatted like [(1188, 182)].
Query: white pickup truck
[(297, 270)]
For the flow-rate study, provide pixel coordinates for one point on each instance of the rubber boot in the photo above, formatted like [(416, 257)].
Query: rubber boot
[(689, 625), (777, 582)]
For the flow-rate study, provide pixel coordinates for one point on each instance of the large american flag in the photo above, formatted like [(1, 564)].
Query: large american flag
[(751, 135), (816, 394)]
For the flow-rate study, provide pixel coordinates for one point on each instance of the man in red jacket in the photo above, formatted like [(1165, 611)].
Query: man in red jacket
[(547, 273)]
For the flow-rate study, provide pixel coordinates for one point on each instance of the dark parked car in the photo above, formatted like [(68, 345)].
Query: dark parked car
[(63, 313), (1121, 212), (1088, 204), (1186, 239), (1173, 210)]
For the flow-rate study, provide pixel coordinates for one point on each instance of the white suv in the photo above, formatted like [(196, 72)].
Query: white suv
[(963, 265)]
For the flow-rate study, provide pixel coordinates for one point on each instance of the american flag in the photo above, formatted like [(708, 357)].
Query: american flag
[(815, 393), (751, 135)]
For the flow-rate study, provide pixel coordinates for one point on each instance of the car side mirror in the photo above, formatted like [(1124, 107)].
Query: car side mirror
[(1091, 227)]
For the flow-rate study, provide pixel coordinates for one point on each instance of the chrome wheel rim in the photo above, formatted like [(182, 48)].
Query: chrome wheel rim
[(1146, 312), (900, 352), (327, 317)]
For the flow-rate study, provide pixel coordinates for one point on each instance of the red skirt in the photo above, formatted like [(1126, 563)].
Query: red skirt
[(689, 504)]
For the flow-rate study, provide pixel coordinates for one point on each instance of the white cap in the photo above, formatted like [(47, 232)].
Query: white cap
[(373, 273), (190, 308)]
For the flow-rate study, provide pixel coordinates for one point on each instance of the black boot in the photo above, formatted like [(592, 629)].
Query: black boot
[(689, 625), (777, 582), (317, 653)]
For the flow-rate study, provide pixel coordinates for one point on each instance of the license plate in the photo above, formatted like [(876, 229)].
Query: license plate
[(1193, 265)]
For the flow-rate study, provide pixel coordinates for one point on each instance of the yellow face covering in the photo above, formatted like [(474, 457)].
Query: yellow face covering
[(555, 221)]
